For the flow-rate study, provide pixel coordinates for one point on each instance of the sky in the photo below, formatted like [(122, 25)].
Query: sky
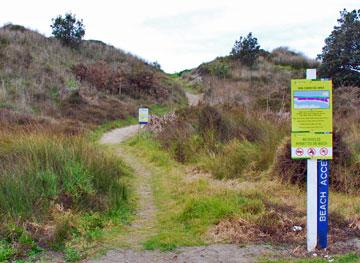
[(181, 34)]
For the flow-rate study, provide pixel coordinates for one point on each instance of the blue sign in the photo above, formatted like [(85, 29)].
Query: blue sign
[(323, 167)]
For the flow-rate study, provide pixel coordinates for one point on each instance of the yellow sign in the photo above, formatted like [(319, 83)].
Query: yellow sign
[(311, 119)]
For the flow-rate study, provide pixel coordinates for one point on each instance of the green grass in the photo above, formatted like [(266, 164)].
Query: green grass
[(66, 183), (186, 209), (159, 109)]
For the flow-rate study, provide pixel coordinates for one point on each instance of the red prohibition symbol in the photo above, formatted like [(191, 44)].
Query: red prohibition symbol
[(324, 151), (299, 151), (311, 151)]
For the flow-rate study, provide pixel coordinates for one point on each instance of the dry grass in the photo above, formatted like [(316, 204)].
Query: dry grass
[(37, 78)]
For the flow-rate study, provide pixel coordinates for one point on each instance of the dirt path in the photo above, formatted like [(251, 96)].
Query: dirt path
[(119, 135), (145, 214), (145, 222), (206, 254), (194, 99)]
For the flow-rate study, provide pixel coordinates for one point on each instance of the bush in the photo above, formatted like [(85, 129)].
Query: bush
[(137, 81), (68, 29), (344, 174), (246, 49), (285, 57), (340, 56)]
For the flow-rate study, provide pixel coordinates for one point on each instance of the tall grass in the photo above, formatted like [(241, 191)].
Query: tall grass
[(39, 170)]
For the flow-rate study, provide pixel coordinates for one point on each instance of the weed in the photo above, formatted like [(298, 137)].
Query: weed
[(71, 255), (6, 251)]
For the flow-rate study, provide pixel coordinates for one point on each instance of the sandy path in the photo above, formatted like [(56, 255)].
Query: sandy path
[(194, 99), (119, 135), (145, 214), (206, 254)]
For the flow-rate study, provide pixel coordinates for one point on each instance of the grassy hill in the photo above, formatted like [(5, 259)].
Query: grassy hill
[(58, 189), (246, 118), (92, 84)]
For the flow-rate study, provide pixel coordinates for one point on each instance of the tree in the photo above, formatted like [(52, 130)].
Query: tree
[(68, 29), (341, 54), (246, 49)]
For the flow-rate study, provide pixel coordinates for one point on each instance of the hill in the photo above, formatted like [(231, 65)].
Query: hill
[(248, 110), (92, 84)]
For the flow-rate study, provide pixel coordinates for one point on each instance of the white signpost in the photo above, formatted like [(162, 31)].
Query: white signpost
[(311, 192)]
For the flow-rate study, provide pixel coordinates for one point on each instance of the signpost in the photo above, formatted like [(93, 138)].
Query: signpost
[(311, 139), (143, 119), (143, 116)]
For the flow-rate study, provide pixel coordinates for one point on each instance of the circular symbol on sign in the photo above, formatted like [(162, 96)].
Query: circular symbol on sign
[(324, 151), (311, 151), (299, 152)]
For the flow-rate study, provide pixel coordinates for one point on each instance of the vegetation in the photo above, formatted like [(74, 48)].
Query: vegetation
[(195, 209), (340, 55), (58, 192), (68, 29), (246, 49), (89, 86), (212, 166)]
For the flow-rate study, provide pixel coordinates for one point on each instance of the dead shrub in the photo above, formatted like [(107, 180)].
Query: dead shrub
[(137, 81)]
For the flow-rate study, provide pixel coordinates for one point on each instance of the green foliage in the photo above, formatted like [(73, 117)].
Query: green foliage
[(68, 29), (235, 158), (218, 68), (38, 169), (71, 255), (6, 251), (341, 54), (246, 49)]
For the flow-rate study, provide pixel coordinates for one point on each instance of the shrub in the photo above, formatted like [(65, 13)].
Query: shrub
[(246, 49), (340, 56), (137, 81), (285, 57), (68, 29), (344, 175)]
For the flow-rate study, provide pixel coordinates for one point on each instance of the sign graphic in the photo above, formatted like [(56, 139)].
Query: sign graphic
[(311, 119), (299, 151), (311, 151), (143, 115), (324, 151), (323, 167)]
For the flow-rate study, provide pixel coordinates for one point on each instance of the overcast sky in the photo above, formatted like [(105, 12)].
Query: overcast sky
[(182, 34)]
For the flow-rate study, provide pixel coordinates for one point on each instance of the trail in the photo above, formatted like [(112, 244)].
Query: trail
[(194, 99), (145, 220)]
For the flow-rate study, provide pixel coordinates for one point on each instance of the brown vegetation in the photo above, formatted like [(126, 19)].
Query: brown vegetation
[(92, 84)]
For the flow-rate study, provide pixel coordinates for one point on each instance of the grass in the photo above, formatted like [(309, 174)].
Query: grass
[(190, 205), (187, 209), (59, 192)]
